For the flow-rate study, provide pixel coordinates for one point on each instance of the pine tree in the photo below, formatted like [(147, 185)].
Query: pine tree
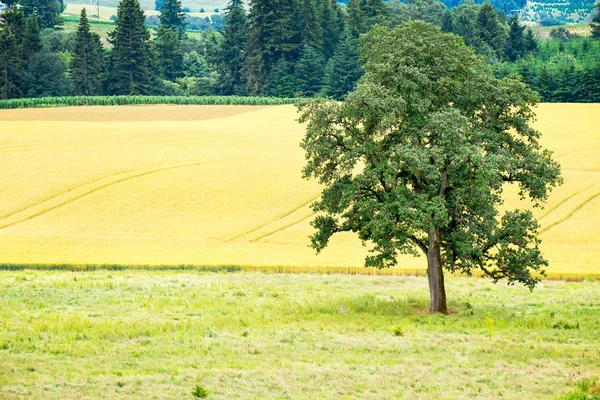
[(87, 60), (10, 63), (172, 16), (273, 36), (32, 41), (343, 69), (447, 22), (595, 25), (329, 26), (530, 43), (309, 24), (489, 28), (170, 55), (15, 20), (515, 45), (130, 58), (48, 12), (310, 72), (376, 12), (233, 50), (281, 82), (546, 85), (357, 21)]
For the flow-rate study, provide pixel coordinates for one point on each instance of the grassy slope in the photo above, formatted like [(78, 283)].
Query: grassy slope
[(157, 335), (213, 186)]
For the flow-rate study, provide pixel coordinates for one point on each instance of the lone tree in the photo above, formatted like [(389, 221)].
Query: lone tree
[(416, 158)]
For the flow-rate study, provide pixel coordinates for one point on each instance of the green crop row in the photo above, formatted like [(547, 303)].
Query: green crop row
[(135, 100)]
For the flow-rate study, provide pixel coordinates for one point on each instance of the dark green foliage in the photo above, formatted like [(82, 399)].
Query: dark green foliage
[(447, 23), (529, 41), (309, 72), (46, 75), (173, 17), (515, 45), (232, 53), (32, 42), (10, 63), (489, 29), (595, 24), (329, 25), (416, 158), (281, 82), (15, 20), (87, 60), (169, 53), (343, 69), (48, 11), (130, 62), (274, 34), (357, 20), (309, 24)]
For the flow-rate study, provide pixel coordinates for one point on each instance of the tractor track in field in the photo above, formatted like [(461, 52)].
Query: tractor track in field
[(569, 215), (93, 190), (282, 228), (563, 201), (273, 220)]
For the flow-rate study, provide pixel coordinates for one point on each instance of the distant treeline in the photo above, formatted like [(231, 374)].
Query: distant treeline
[(276, 48)]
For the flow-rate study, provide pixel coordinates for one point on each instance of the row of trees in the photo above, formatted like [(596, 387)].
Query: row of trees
[(285, 48)]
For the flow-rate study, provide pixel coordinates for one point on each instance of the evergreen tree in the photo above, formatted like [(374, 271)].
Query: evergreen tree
[(309, 24), (172, 16), (32, 41), (130, 58), (515, 45), (329, 27), (490, 31), (281, 82), (447, 22), (48, 12), (310, 72), (546, 85), (87, 60), (595, 25), (273, 36), (357, 20), (15, 20), (233, 50), (343, 69), (530, 43), (10, 63), (464, 22), (376, 12), (168, 50)]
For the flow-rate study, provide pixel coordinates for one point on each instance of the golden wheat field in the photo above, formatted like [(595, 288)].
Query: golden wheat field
[(221, 185)]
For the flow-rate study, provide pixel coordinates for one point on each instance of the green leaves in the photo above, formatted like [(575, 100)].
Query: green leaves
[(426, 143)]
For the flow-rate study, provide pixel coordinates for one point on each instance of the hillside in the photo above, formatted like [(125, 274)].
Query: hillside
[(221, 185)]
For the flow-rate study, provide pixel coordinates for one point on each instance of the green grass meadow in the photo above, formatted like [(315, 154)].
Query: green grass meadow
[(166, 334)]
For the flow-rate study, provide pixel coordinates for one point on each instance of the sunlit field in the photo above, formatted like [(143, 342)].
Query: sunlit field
[(221, 185)]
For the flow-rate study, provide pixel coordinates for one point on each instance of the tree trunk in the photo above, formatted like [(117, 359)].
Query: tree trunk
[(437, 290)]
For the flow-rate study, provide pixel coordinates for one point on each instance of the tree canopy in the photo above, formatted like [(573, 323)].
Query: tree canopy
[(416, 158)]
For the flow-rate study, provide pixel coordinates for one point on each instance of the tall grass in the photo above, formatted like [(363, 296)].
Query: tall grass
[(70, 101)]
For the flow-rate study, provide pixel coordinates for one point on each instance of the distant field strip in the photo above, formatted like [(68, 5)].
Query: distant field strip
[(196, 187)]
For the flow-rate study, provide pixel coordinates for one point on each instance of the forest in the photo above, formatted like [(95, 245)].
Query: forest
[(277, 48)]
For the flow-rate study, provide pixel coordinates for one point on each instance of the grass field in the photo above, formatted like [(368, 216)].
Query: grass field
[(134, 335), (214, 185)]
